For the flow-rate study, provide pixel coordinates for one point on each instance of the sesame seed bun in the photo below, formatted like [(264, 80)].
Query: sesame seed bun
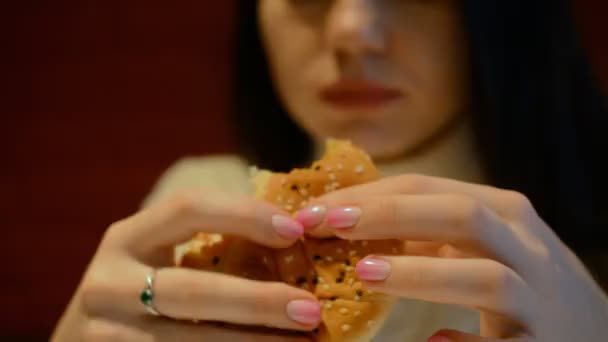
[(325, 267)]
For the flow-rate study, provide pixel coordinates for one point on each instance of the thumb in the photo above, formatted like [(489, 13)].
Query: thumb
[(447, 335)]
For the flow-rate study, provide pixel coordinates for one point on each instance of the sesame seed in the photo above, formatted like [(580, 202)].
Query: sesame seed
[(357, 313), (290, 201), (321, 280), (332, 176), (328, 305), (345, 327), (370, 323), (288, 259), (303, 204), (343, 311), (339, 166), (363, 243), (359, 168), (325, 287), (329, 258), (370, 292), (303, 192), (288, 207), (340, 250), (280, 199), (265, 260), (351, 281), (283, 181), (215, 261), (329, 168), (352, 252), (349, 268), (318, 167), (359, 293), (335, 185), (395, 251), (316, 257), (357, 298)]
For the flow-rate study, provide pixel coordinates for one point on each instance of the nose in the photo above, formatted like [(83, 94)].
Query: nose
[(357, 27)]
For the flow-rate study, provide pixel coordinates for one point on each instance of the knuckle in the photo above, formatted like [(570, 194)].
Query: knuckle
[(389, 209), (112, 232), (414, 183), (416, 277), (182, 203), (519, 204), (499, 283), (468, 215)]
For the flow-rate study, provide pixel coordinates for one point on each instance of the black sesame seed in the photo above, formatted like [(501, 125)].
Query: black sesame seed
[(342, 274), (333, 298), (317, 168), (294, 187), (307, 185), (301, 281), (216, 260), (347, 262), (315, 330), (317, 257), (339, 280), (359, 293), (315, 281)]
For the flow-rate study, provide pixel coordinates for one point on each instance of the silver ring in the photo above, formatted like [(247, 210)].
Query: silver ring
[(147, 295)]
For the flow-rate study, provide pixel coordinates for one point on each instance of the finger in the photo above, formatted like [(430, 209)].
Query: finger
[(148, 329), (506, 203), (479, 283), (178, 219), (204, 296), (454, 219), (457, 336), (186, 293), (439, 250)]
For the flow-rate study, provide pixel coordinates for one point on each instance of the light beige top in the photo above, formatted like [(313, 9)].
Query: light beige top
[(410, 320)]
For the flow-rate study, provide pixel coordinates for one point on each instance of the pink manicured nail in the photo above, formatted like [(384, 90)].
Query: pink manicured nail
[(345, 217), (304, 311), (287, 227), (311, 217), (438, 338), (373, 269)]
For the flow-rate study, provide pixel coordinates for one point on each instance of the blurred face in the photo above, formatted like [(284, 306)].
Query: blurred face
[(390, 75)]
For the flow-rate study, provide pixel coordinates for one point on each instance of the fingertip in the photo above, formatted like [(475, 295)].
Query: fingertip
[(304, 311), (287, 227), (312, 216)]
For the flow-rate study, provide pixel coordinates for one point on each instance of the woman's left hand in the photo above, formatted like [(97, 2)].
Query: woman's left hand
[(470, 245)]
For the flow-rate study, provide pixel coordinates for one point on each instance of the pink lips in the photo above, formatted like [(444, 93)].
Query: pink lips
[(359, 94)]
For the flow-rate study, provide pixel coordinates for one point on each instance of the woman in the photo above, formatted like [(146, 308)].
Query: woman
[(463, 93)]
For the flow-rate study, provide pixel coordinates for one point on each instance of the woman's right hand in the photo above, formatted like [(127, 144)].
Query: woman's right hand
[(107, 305)]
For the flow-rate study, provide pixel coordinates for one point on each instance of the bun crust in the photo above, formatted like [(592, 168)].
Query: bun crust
[(324, 267)]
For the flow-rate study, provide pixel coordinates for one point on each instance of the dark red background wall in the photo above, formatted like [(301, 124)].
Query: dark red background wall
[(97, 99)]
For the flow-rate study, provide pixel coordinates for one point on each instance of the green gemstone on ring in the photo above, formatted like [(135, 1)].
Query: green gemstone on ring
[(146, 297)]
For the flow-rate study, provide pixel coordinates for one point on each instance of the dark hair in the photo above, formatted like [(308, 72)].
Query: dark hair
[(537, 110)]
